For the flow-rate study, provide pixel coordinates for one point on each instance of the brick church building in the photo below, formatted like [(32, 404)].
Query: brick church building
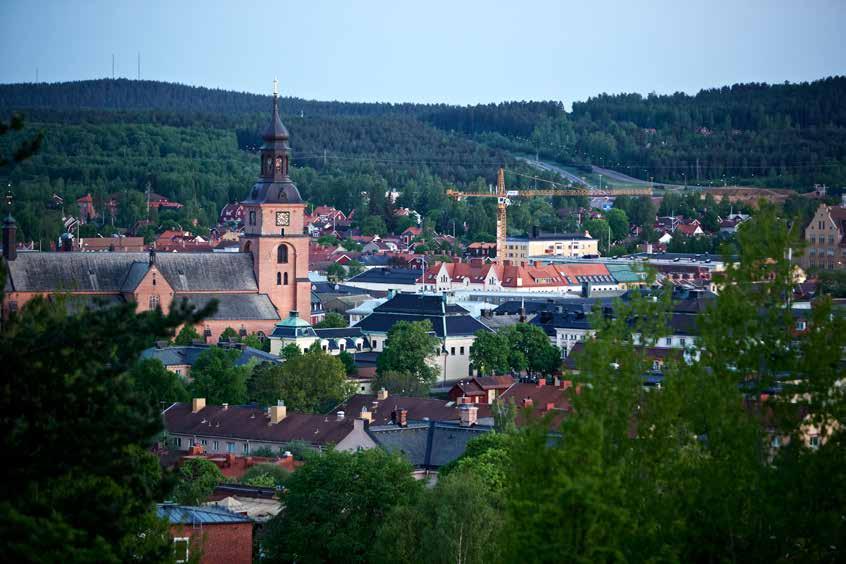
[(254, 288)]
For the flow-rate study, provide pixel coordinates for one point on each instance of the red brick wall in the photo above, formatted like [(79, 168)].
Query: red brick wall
[(219, 544)]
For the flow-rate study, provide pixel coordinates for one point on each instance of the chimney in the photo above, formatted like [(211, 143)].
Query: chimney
[(278, 412), (527, 402), (293, 314), (10, 244), (197, 404), (556, 381), (550, 406), (340, 415), (567, 384), (225, 406), (365, 415), (382, 394), (541, 382), (400, 417), (469, 415)]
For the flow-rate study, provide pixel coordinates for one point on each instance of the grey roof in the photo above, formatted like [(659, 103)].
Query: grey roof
[(77, 303), (193, 515), (235, 306), (449, 325), (340, 332), (404, 276), (172, 356), (113, 272), (136, 273), (427, 444)]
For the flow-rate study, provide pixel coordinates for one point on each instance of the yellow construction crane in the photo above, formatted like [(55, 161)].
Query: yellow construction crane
[(503, 200)]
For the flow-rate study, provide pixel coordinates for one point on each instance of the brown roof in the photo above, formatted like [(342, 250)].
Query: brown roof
[(539, 400), (479, 386), (253, 423), (418, 408)]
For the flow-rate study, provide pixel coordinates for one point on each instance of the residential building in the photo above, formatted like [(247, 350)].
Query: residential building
[(519, 249), (478, 275), (824, 236), (254, 288), (385, 279), (453, 325), (216, 534), (480, 389), (180, 359), (241, 429)]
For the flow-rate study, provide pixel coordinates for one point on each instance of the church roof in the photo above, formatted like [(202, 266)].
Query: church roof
[(275, 130), (119, 272), (235, 306)]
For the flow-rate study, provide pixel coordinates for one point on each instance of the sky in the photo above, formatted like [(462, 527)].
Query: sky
[(460, 51)]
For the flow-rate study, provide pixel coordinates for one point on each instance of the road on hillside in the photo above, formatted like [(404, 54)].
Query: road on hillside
[(549, 167), (619, 176)]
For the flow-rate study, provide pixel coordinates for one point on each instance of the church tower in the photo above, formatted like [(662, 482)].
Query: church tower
[(274, 224)]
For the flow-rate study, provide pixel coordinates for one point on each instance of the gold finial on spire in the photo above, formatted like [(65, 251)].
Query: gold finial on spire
[(275, 87)]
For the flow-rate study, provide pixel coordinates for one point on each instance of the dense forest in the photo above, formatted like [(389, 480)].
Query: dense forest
[(196, 145)]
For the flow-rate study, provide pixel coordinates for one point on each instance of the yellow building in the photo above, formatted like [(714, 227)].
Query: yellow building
[(519, 249)]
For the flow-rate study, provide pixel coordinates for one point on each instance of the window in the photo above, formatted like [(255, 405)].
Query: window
[(180, 550), (682, 341), (282, 254), (154, 301), (230, 447), (278, 278), (177, 441), (252, 217), (669, 341), (285, 279), (216, 445), (204, 442), (815, 441), (452, 351), (461, 351), (246, 448)]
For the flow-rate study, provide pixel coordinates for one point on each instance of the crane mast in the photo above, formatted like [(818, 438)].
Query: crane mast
[(503, 200)]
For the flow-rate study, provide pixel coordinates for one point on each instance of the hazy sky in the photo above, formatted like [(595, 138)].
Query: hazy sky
[(457, 51)]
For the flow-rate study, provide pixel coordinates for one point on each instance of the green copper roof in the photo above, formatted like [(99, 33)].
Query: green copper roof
[(293, 320)]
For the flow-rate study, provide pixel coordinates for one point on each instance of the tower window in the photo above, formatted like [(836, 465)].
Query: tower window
[(252, 217), (282, 254), (154, 301), (285, 279), (278, 278)]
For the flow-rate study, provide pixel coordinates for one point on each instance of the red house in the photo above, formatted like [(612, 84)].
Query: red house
[(216, 534), (481, 389)]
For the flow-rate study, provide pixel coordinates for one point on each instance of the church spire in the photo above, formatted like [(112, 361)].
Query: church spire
[(275, 130)]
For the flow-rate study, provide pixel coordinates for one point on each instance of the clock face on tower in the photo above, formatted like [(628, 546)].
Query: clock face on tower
[(283, 218)]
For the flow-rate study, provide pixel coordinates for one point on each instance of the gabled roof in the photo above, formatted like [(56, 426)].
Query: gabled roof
[(427, 444), (253, 423), (432, 409), (108, 272), (187, 355), (198, 515)]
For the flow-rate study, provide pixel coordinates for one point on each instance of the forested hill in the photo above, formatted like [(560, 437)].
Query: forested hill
[(193, 144)]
